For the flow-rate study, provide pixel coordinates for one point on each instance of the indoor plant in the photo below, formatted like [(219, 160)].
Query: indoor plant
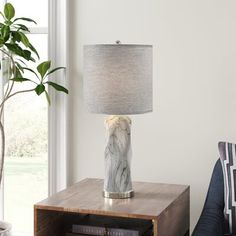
[(17, 49)]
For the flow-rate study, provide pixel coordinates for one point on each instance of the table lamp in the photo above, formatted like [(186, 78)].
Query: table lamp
[(118, 82)]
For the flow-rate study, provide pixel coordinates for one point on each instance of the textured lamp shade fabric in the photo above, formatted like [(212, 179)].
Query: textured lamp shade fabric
[(118, 78)]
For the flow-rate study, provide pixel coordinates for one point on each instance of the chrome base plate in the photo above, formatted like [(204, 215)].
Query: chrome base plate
[(114, 195)]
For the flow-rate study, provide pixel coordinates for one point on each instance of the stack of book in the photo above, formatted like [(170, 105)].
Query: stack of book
[(103, 226)]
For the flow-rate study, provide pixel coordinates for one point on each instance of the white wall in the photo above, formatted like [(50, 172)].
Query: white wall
[(194, 87)]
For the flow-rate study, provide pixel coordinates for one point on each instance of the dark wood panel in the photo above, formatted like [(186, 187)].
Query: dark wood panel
[(48, 223), (175, 219)]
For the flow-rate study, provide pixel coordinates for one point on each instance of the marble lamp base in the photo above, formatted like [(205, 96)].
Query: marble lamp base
[(117, 181)]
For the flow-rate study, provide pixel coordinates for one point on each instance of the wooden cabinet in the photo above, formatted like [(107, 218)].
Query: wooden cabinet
[(165, 205)]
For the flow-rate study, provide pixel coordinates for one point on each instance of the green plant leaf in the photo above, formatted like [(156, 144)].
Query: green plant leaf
[(20, 69), (1, 41), (48, 97), (32, 59), (5, 31), (19, 66), (12, 47), (21, 27), (43, 68), (8, 22), (25, 19), (24, 39), (15, 48), (26, 68), (18, 73), (20, 79), (16, 36), (55, 69), (27, 55), (9, 11), (39, 89), (58, 87), (34, 50)]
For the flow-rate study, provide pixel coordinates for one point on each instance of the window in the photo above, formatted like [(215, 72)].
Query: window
[(26, 127), (36, 135)]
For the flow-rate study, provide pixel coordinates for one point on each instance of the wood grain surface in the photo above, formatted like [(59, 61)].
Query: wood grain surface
[(167, 205), (150, 200)]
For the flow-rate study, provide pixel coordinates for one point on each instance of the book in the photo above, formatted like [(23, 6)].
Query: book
[(74, 234), (149, 233), (94, 230), (100, 226)]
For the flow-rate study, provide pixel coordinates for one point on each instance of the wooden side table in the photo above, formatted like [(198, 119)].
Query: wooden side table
[(166, 205)]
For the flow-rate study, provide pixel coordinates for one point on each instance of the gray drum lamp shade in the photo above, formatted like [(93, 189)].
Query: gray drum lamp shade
[(118, 78)]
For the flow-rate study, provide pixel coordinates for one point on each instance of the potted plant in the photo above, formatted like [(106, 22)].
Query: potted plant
[(17, 49)]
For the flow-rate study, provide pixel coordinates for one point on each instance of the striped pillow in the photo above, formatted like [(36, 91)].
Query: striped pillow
[(228, 161)]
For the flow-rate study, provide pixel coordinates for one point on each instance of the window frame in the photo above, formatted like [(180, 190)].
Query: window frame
[(57, 113)]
